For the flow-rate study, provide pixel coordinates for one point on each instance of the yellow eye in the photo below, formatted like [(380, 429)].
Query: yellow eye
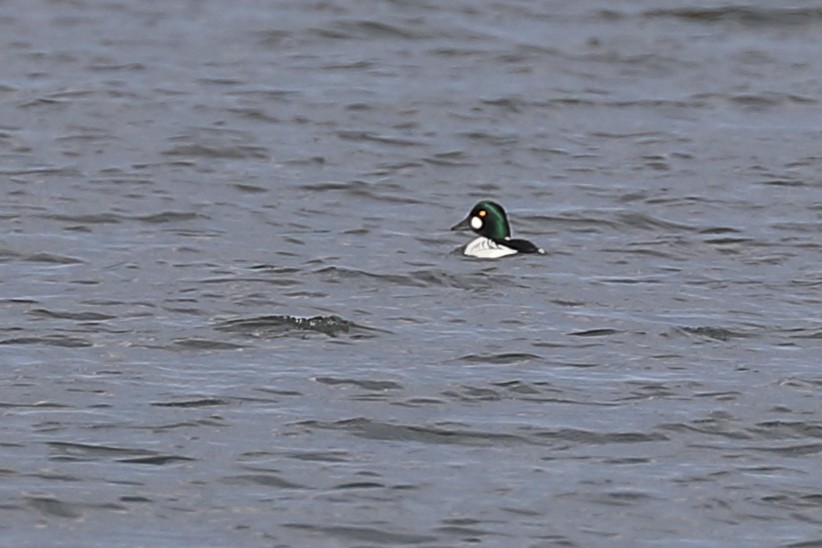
[(482, 213)]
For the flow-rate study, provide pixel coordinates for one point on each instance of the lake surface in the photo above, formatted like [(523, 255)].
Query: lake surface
[(233, 313)]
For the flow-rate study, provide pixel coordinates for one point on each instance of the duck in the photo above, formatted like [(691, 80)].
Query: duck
[(488, 219)]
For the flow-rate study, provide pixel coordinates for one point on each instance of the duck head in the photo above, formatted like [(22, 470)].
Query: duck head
[(487, 219)]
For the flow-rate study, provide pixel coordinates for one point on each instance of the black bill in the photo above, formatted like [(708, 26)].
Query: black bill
[(464, 224)]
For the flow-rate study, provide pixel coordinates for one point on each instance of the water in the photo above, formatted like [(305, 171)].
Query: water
[(233, 314)]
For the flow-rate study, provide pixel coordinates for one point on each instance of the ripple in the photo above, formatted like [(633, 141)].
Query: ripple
[(201, 402), (217, 143), (364, 534), (424, 278), (50, 340), (746, 15), (81, 452), (53, 507), (157, 460), (65, 315), (206, 344), (501, 358), (458, 435), (279, 325), (364, 384), (715, 333), (594, 333), (50, 258), (355, 135), (365, 29), (266, 479), (214, 151), (378, 430)]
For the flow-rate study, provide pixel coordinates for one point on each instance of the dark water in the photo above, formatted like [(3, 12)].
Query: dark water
[(233, 315)]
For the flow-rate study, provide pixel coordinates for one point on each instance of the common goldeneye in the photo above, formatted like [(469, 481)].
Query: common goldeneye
[(488, 219)]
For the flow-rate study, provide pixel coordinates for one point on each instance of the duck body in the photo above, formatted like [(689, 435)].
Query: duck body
[(486, 248), (489, 220)]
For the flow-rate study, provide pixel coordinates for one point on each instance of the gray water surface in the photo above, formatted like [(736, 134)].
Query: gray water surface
[(233, 314)]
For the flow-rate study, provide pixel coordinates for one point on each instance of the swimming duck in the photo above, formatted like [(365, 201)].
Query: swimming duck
[(488, 219)]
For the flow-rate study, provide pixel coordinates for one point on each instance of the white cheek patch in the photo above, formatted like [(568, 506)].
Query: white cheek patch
[(476, 223)]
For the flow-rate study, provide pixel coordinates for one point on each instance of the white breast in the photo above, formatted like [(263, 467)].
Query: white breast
[(484, 248)]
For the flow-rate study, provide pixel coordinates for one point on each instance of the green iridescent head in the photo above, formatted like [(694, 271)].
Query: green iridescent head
[(486, 219)]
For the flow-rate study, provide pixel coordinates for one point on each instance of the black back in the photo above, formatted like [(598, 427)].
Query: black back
[(522, 246)]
